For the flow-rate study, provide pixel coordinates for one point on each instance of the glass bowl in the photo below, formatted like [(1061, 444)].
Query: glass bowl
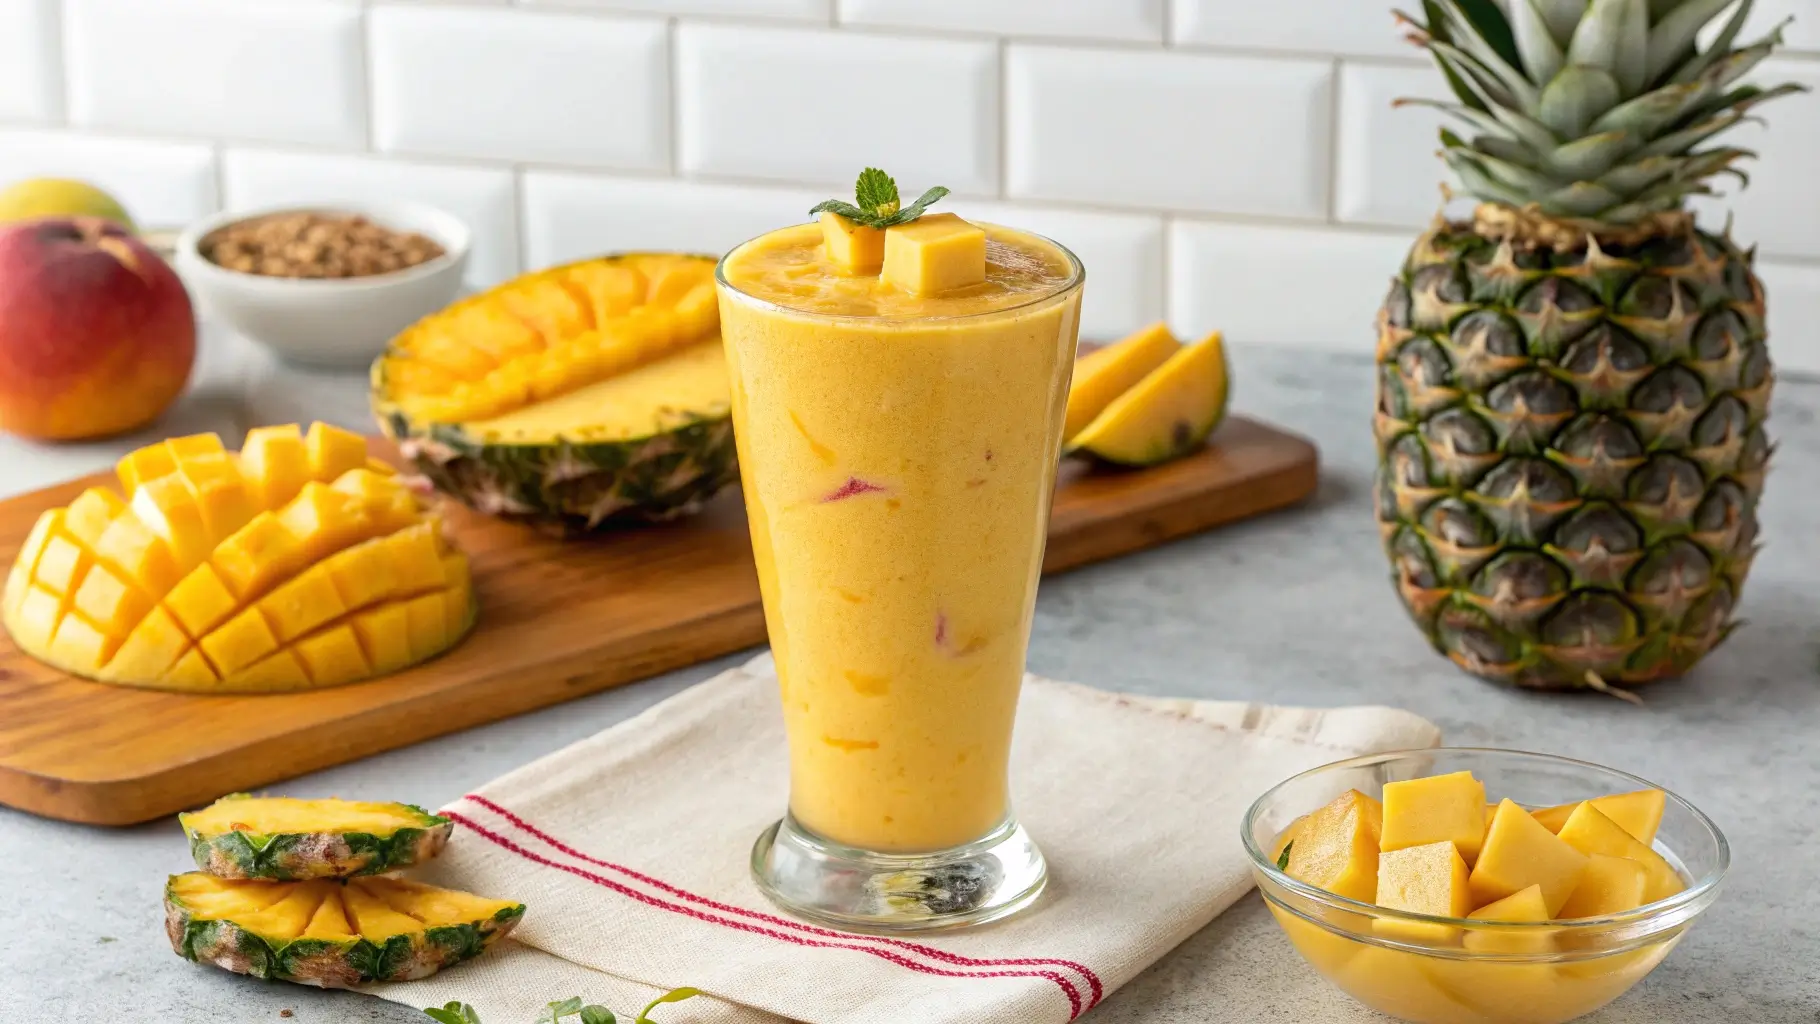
[(1423, 969)]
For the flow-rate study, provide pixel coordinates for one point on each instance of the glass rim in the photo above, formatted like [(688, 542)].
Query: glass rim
[(1695, 896), (1075, 282)]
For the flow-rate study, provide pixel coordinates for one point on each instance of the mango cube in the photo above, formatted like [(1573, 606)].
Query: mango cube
[(1609, 885), (220, 491), (139, 554), (362, 574), (1336, 848), (184, 448), (26, 562), (168, 508), (90, 515), (854, 248), (384, 634), (111, 603), (333, 656), (61, 565), (143, 466), (934, 253), (80, 646), (279, 671), (333, 451), (150, 649), (35, 619), (1440, 808), (1430, 879), (1519, 853), (1589, 831), (416, 559), (258, 555), (192, 671), (302, 603), (324, 521), (200, 601), (426, 625), (276, 464), (239, 642), (1523, 906), (1639, 813)]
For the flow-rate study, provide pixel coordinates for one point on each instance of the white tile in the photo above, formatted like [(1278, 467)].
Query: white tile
[(1123, 254), (571, 216), (1388, 170), (796, 10), (1303, 26), (1302, 287), (1164, 130), (162, 184), (521, 85), (484, 198), (1780, 211), (274, 70), (31, 87), (1135, 20), (817, 105), (1793, 294)]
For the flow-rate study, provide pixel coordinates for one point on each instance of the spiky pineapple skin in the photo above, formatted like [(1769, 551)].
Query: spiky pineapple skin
[(571, 489), (298, 856), (1572, 451)]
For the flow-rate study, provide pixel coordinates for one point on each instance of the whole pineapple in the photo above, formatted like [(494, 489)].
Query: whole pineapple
[(1572, 387)]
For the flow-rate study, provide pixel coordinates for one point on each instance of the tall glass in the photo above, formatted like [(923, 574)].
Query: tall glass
[(898, 470)]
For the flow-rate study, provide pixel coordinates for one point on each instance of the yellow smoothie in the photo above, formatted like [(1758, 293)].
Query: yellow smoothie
[(898, 456)]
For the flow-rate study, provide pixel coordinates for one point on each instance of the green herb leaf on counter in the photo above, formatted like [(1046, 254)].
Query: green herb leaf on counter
[(556, 1012), (878, 202), (1283, 858)]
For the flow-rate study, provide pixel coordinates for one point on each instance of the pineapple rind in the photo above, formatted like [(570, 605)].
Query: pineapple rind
[(328, 963), (565, 487), (321, 853)]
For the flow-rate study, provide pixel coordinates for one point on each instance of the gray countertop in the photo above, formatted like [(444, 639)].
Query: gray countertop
[(1294, 608)]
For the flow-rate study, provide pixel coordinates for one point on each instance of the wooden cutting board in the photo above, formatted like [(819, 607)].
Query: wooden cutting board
[(557, 621)]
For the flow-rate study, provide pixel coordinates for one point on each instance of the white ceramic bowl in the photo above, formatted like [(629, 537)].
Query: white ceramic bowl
[(336, 322)]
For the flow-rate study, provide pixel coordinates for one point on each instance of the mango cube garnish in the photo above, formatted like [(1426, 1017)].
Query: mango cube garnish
[(934, 253), (1609, 885), (854, 247), (1519, 853), (1336, 847), (1440, 808), (1430, 879)]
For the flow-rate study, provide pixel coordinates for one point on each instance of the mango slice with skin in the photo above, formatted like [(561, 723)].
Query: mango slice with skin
[(1104, 374), (1167, 414)]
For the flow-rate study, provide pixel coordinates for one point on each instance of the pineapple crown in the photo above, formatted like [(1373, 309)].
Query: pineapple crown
[(1592, 110)]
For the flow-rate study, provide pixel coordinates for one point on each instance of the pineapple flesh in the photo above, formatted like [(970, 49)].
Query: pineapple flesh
[(582, 397), (1572, 386), (328, 933), (293, 564), (286, 839)]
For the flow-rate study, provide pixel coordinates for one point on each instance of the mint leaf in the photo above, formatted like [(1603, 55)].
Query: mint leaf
[(845, 209), (452, 1013), (674, 996), (597, 1015), (555, 1012), (1283, 858), (876, 192), (915, 210)]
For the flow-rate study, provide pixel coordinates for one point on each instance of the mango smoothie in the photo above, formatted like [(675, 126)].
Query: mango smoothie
[(898, 454)]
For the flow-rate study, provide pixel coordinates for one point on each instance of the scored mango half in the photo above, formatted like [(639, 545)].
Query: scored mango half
[(292, 564)]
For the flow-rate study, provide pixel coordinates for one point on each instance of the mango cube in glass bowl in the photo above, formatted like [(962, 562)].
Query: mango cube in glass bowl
[(1472, 886)]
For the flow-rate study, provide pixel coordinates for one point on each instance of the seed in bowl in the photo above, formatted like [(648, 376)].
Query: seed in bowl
[(316, 245)]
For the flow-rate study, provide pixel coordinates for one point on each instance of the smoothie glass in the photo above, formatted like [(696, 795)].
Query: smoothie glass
[(898, 458)]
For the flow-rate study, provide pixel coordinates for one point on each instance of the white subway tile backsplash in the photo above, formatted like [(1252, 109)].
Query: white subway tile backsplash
[(1387, 171), (1780, 210), (272, 70), (570, 216), (483, 197), (1793, 291), (1132, 20), (31, 83), (816, 105), (1298, 287), (1123, 254), (1201, 132), (796, 10), (1803, 33), (523, 86), (1303, 26), (162, 184)]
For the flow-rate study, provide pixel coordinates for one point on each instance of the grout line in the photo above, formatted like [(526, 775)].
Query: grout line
[(218, 164), (369, 129), (1004, 118), (1166, 284), (60, 60), (521, 217), (675, 98), (1333, 144), (1169, 23)]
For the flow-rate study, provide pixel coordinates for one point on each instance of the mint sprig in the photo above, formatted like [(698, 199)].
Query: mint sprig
[(1283, 858), (878, 202), (558, 1011)]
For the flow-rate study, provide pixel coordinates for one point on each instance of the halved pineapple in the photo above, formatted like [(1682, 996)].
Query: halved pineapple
[(268, 569), (578, 397), (287, 839), (328, 933)]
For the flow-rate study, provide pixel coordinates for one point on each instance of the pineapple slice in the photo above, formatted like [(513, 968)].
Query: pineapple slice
[(327, 934), (192, 582), (287, 839)]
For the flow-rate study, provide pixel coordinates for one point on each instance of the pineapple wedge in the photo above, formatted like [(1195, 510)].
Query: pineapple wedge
[(285, 839), (256, 571), (330, 934)]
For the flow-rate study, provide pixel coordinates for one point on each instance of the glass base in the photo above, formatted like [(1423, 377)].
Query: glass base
[(812, 877)]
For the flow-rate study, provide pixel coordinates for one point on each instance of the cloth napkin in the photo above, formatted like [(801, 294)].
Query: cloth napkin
[(630, 852)]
